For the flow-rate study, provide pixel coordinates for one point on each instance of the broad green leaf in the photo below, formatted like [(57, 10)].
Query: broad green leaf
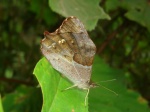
[(112, 5), (1, 107), (102, 100), (88, 11), (23, 99), (52, 84)]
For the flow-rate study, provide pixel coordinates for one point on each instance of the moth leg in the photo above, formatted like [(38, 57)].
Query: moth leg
[(86, 97), (70, 87)]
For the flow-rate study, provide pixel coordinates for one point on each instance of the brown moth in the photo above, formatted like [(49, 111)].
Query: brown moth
[(71, 52)]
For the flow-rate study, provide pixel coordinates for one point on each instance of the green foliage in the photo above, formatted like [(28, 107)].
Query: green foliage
[(101, 100), (54, 99), (123, 42), (25, 99), (52, 84), (47, 15), (137, 10), (79, 8)]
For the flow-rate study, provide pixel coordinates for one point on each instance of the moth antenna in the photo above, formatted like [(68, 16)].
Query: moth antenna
[(107, 81), (108, 89)]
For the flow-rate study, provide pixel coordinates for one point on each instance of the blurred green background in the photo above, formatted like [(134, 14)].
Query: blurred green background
[(119, 28)]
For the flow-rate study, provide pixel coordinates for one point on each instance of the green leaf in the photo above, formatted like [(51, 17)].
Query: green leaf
[(112, 5), (137, 10), (1, 107), (52, 84), (88, 11), (102, 100)]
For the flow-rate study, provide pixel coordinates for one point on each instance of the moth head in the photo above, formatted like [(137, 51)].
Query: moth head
[(93, 85)]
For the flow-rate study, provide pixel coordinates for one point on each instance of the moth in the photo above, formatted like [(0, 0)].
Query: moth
[(71, 52)]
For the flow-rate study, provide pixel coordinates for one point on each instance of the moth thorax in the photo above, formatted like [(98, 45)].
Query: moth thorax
[(87, 85), (84, 85)]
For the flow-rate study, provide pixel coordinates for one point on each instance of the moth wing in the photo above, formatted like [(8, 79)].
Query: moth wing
[(70, 50)]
